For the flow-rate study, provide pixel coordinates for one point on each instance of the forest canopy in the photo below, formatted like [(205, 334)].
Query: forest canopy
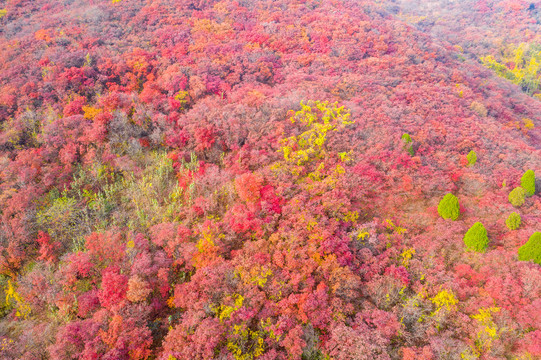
[(301, 179)]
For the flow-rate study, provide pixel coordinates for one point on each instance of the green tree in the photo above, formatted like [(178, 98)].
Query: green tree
[(472, 158), (448, 208), (527, 182), (406, 138), (476, 238), (532, 249), (513, 221), (516, 196)]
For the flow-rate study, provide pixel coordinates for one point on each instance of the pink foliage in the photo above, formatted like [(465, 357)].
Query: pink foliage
[(113, 288), (48, 248), (197, 342), (338, 255)]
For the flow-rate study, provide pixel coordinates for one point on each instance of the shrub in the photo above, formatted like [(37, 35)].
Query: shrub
[(516, 196), (318, 118), (63, 218), (513, 221), (248, 187), (479, 108), (113, 287), (138, 289), (527, 182), (532, 249), (406, 138), (472, 158), (448, 207), (411, 150), (476, 238)]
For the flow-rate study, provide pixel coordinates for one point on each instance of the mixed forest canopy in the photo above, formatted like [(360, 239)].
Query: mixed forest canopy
[(270, 179)]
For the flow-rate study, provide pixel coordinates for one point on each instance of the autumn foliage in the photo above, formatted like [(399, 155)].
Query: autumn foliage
[(266, 180)]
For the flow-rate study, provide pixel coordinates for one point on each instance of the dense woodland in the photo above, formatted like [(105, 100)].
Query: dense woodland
[(504, 35), (259, 179)]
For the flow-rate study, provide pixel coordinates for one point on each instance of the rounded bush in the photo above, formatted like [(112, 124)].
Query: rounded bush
[(476, 238), (472, 158), (406, 138), (532, 249), (448, 208), (513, 221), (527, 182), (516, 196)]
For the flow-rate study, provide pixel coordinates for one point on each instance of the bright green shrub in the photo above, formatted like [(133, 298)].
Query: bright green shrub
[(527, 182), (476, 238), (472, 158), (513, 221), (448, 207), (516, 196), (406, 138), (532, 249)]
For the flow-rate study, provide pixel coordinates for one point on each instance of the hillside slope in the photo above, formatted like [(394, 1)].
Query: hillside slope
[(503, 35), (231, 180)]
